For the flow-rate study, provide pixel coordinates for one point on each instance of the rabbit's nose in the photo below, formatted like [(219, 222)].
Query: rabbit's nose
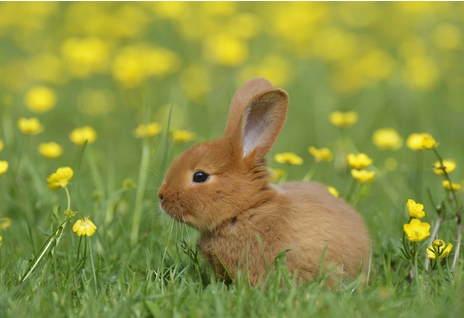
[(160, 196)]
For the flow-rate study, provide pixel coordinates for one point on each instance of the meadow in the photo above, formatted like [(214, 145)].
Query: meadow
[(96, 100)]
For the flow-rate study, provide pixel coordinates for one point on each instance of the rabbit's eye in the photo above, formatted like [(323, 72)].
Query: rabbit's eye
[(200, 177)]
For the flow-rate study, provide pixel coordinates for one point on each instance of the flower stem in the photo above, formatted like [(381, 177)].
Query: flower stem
[(432, 238), (458, 244)]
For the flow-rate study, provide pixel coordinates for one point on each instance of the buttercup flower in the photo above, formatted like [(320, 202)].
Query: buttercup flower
[(149, 130), (448, 166), (333, 191), (30, 126), (5, 223), (323, 154), (288, 157), (40, 99), (416, 210), (438, 248), (50, 149), (450, 186), (80, 135), (414, 141), (84, 227), (3, 167), (363, 176), (359, 161), (416, 230), (343, 120), (60, 178), (428, 142), (387, 139), (276, 174), (182, 136)]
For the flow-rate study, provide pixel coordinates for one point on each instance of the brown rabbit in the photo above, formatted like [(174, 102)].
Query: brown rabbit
[(222, 188)]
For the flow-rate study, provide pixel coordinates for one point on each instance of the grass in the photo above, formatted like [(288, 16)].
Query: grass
[(140, 263)]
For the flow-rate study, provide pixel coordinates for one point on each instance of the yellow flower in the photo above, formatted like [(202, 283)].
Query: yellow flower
[(343, 120), (363, 175), (3, 166), (448, 166), (84, 227), (416, 210), (50, 149), (5, 223), (359, 161), (227, 50), (438, 248), (428, 142), (323, 154), (30, 126), (60, 178), (387, 139), (80, 135), (288, 157), (181, 136), (415, 141), (2, 144), (416, 230), (333, 191), (40, 99), (450, 186), (149, 130), (276, 174)]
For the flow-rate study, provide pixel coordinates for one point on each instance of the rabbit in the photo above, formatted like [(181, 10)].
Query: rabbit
[(222, 189)]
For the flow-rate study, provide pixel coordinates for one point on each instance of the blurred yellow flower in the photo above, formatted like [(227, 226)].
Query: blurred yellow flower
[(84, 227), (421, 73), (448, 166), (416, 230), (450, 186), (343, 120), (415, 140), (447, 36), (60, 178), (40, 99), (387, 139), (323, 154), (5, 223), (276, 174), (50, 149), (288, 157), (333, 191), (363, 176), (181, 136), (227, 50), (3, 167), (416, 210), (2, 144), (85, 56), (80, 135), (275, 68), (359, 161), (30, 126), (149, 130), (439, 248), (428, 142)]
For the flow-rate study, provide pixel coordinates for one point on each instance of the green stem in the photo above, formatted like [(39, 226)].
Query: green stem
[(310, 173), (53, 237), (97, 179), (351, 191), (69, 198)]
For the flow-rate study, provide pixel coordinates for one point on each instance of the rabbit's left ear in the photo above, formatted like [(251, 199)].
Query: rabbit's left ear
[(260, 122)]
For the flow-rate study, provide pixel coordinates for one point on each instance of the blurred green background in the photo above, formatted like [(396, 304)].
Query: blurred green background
[(113, 66)]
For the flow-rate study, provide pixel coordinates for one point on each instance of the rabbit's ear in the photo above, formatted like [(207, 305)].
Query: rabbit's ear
[(257, 115)]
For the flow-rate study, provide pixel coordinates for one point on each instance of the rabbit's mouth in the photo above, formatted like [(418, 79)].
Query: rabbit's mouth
[(174, 212)]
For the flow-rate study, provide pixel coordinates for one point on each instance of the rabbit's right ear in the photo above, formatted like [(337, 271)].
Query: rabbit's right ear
[(256, 117)]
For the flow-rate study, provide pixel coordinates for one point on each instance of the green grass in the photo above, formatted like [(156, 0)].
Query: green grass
[(139, 262)]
